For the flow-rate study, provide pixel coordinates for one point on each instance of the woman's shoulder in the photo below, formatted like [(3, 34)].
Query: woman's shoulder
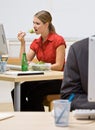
[(58, 36), (37, 40), (58, 39)]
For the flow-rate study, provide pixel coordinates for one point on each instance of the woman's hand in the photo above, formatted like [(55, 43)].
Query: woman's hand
[(21, 36)]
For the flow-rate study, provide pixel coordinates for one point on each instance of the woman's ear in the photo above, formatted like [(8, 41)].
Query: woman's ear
[(47, 24)]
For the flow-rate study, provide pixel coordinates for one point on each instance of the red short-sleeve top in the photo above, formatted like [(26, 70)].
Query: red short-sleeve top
[(47, 51)]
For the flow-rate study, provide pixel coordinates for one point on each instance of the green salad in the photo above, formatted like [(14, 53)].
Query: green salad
[(31, 31), (39, 66)]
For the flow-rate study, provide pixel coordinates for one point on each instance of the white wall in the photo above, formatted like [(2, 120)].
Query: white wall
[(72, 18), (17, 15)]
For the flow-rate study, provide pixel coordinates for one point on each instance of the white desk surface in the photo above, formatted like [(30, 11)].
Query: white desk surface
[(46, 76), (42, 121)]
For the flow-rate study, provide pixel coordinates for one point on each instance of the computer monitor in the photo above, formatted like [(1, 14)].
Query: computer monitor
[(91, 69), (3, 43)]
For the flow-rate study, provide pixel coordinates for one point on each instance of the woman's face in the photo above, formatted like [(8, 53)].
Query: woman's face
[(39, 26)]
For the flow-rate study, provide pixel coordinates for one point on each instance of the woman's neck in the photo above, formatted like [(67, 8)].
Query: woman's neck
[(44, 36)]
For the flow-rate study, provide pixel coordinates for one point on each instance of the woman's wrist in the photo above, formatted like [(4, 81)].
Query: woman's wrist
[(22, 42)]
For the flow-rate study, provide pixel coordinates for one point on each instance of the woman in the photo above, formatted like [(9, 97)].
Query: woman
[(49, 48)]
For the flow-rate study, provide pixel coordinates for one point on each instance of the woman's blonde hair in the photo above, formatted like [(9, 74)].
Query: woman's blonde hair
[(45, 17)]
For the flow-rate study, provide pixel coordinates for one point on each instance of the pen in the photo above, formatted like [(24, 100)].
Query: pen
[(71, 97)]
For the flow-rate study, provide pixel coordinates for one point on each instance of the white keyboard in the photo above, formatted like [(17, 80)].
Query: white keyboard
[(13, 67), (5, 115), (84, 114)]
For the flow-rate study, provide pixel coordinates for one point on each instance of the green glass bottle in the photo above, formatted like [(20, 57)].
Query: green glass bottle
[(24, 64)]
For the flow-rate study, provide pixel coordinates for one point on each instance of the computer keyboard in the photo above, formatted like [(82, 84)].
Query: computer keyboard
[(13, 67), (84, 114)]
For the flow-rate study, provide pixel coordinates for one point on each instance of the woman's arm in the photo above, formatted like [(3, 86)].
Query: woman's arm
[(60, 56), (31, 53), (21, 36)]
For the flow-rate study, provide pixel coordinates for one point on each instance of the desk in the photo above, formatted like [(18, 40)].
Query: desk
[(18, 79), (42, 121)]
